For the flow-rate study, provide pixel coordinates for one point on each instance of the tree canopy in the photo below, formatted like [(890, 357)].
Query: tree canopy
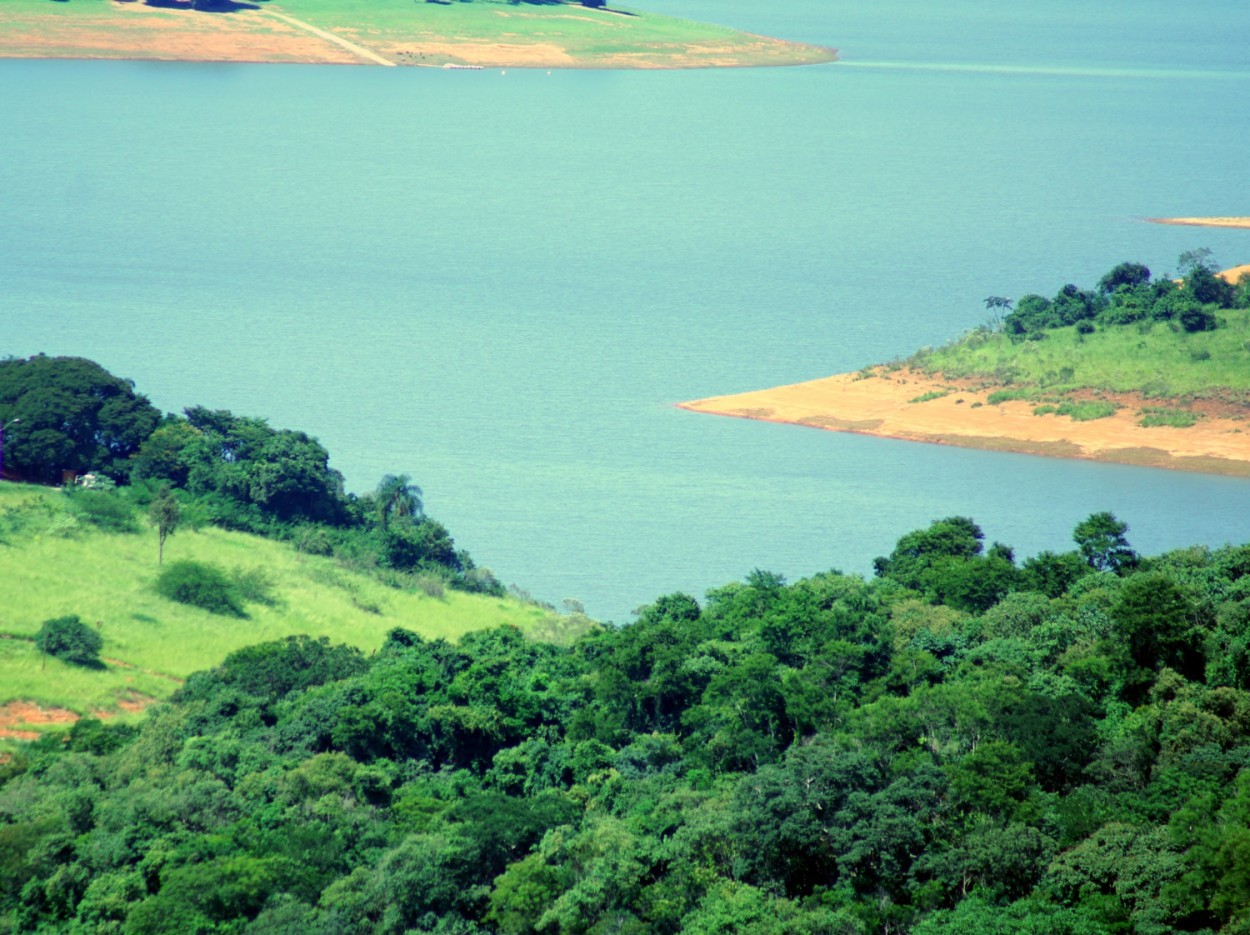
[(1068, 751), (75, 416)]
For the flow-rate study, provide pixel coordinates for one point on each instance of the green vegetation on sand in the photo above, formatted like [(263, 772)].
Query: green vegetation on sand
[(1157, 339)]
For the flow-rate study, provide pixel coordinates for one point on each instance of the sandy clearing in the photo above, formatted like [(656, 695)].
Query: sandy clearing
[(881, 405)]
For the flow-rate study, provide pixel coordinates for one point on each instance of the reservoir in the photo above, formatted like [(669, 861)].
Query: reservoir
[(501, 283)]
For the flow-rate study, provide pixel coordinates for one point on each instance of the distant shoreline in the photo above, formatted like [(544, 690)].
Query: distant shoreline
[(492, 35), (892, 404)]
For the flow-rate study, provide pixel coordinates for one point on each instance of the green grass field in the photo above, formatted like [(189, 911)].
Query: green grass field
[(52, 565), (1152, 360)]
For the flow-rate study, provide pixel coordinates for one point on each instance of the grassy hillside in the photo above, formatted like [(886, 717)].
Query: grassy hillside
[(1149, 358), (52, 564)]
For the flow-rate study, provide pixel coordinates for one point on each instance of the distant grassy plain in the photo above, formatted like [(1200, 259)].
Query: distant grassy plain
[(466, 32), (52, 565)]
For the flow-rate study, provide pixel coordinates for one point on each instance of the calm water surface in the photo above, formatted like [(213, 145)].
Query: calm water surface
[(500, 283)]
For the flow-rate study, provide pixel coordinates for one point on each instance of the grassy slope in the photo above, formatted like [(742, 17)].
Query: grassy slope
[(1153, 361), (588, 38), (50, 568)]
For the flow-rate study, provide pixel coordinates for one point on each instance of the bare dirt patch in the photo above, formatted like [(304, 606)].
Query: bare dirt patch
[(18, 719), (132, 704), (880, 402), (138, 31)]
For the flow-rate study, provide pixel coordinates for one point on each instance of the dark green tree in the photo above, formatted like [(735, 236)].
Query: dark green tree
[(1125, 274), (75, 416), (1101, 540), (70, 640), (918, 551), (1209, 288)]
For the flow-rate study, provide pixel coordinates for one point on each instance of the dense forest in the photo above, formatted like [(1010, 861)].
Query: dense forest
[(964, 742)]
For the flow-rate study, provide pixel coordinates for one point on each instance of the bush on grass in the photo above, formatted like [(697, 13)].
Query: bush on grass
[(200, 585), (70, 640)]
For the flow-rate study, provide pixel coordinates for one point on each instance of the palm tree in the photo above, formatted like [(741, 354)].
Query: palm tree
[(397, 498)]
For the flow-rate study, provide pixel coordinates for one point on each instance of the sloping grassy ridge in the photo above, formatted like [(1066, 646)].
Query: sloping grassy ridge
[(52, 564)]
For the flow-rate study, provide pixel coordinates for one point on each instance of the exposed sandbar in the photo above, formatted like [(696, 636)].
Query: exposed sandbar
[(882, 402), (1203, 222)]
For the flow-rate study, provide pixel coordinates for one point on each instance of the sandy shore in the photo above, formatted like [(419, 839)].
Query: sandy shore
[(884, 404), (1203, 222)]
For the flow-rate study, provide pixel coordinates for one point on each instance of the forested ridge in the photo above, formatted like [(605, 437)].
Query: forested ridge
[(963, 742), (69, 418)]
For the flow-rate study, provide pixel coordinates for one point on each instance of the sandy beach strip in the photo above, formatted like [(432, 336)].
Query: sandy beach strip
[(1203, 222), (886, 403)]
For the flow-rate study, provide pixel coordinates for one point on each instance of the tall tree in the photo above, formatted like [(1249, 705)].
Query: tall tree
[(1100, 537), (163, 514), (399, 498)]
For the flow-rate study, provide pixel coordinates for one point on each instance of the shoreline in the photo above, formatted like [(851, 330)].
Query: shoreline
[(1238, 222), (910, 406), (132, 31)]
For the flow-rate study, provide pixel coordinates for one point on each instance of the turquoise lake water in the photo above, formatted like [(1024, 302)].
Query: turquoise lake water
[(501, 283)]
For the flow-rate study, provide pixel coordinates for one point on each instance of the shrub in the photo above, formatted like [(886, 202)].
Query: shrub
[(1005, 396), (431, 585), (312, 540), (1087, 411), (103, 509), (1176, 418), (253, 584), (200, 585), (70, 640)]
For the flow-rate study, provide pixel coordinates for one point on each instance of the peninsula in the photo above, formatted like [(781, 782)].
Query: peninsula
[(435, 33), (1123, 380)]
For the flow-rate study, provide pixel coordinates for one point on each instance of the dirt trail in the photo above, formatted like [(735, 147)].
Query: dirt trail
[(331, 37)]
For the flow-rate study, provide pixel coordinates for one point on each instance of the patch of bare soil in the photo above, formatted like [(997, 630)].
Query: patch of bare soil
[(132, 704), (138, 31), (19, 718)]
